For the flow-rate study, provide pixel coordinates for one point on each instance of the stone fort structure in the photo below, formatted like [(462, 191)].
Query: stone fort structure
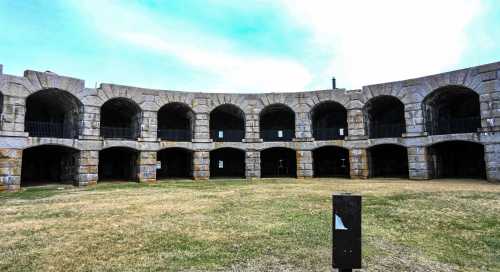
[(53, 129)]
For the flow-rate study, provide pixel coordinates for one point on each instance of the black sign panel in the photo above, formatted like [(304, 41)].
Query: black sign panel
[(346, 232)]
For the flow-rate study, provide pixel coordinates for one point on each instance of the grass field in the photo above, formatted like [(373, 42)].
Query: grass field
[(266, 225)]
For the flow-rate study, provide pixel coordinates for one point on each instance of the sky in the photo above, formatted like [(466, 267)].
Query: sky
[(247, 46)]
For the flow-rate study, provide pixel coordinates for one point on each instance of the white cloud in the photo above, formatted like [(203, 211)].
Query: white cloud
[(386, 40)]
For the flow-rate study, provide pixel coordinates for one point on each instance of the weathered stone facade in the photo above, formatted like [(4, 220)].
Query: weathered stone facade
[(483, 80)]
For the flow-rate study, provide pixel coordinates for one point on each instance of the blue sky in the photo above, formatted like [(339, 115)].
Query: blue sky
[(247, 46)]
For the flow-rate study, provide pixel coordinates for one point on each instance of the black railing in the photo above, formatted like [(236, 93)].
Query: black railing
[(335, 133), (228, 135), (48, 129), (386, 130), (118, 132), (174, 134), (274, 135), (453, 125)]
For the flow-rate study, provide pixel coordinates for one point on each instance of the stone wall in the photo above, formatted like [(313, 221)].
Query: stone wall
[(484, 80)]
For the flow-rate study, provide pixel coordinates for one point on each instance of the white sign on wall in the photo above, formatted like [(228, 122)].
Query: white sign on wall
[(341, 132), (221, 134), (280, 133), (158, 164), (221, 164)]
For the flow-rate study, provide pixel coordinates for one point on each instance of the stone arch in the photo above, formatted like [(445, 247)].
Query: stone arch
[(457, 159), (227, 123), (451, 109), (108, 92), (331, 161), (118, 163), (384, 117), (278, 162), (49, 163), (328, 121), (227, 162), (277, 123), (53, 113), (120, 118), (388, 160), (175, 162), (175, 122)]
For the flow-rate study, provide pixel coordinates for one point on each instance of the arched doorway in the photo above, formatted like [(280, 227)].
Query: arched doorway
[(175, 163), (457, 159), (47, 164), (331, 161), (120, 119), (277, 123), (118, 163), (227, 124), (452, 109), (278, 162), (329, 121), (227, 163), (53, 113), (175, 122), (388, 160), (385, 117)]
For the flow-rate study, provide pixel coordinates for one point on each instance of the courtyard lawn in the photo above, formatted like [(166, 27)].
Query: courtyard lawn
[(235, 225)]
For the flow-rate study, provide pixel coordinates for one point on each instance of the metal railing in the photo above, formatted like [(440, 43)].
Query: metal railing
[(228, 135), (274, 135), (118, 132), (48, 129), (182, 135), (333, 133), (453, 125), (386, 130)]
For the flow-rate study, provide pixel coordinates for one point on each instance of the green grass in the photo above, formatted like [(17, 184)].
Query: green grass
[(235, 225)]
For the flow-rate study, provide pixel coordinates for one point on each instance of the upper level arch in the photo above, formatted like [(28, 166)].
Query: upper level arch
[(175, 122), (227, 123), (384, 117), (329, 121), (277, 123), (120, 118)]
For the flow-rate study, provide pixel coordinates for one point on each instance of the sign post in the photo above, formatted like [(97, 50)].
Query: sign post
[(346, 232)]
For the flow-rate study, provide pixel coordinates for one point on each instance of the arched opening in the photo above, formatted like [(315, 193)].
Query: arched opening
[(277, 123), (121, 119), (331, 161), (47, 164), (227, 163), (227, 124), (388, 160), (457, 159), (53, 113), (278, 162), (175, 122), (174, 163), (118, 163), (385, 117), (1, 103), (329, 121), (452, 109)]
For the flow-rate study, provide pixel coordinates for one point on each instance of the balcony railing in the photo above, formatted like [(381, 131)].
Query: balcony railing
[(333, 133), (386, 130), (275, 135), (454, 125), (228, 135), (48, 129), (118, 132), (181, 135)]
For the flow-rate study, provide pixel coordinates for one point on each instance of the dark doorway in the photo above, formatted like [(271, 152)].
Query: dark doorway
[(175, 163), (452, 109), (457, 159), (120, 118), (388, 160), (118, 163), (227, 163), (385, 117), (277, 123), (47, 164), (278, 162), (331, 161), (175, 122), (329, 121), (53, 113), (227, 124)]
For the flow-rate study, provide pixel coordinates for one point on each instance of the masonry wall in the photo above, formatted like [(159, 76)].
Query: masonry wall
[(484, 80)]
